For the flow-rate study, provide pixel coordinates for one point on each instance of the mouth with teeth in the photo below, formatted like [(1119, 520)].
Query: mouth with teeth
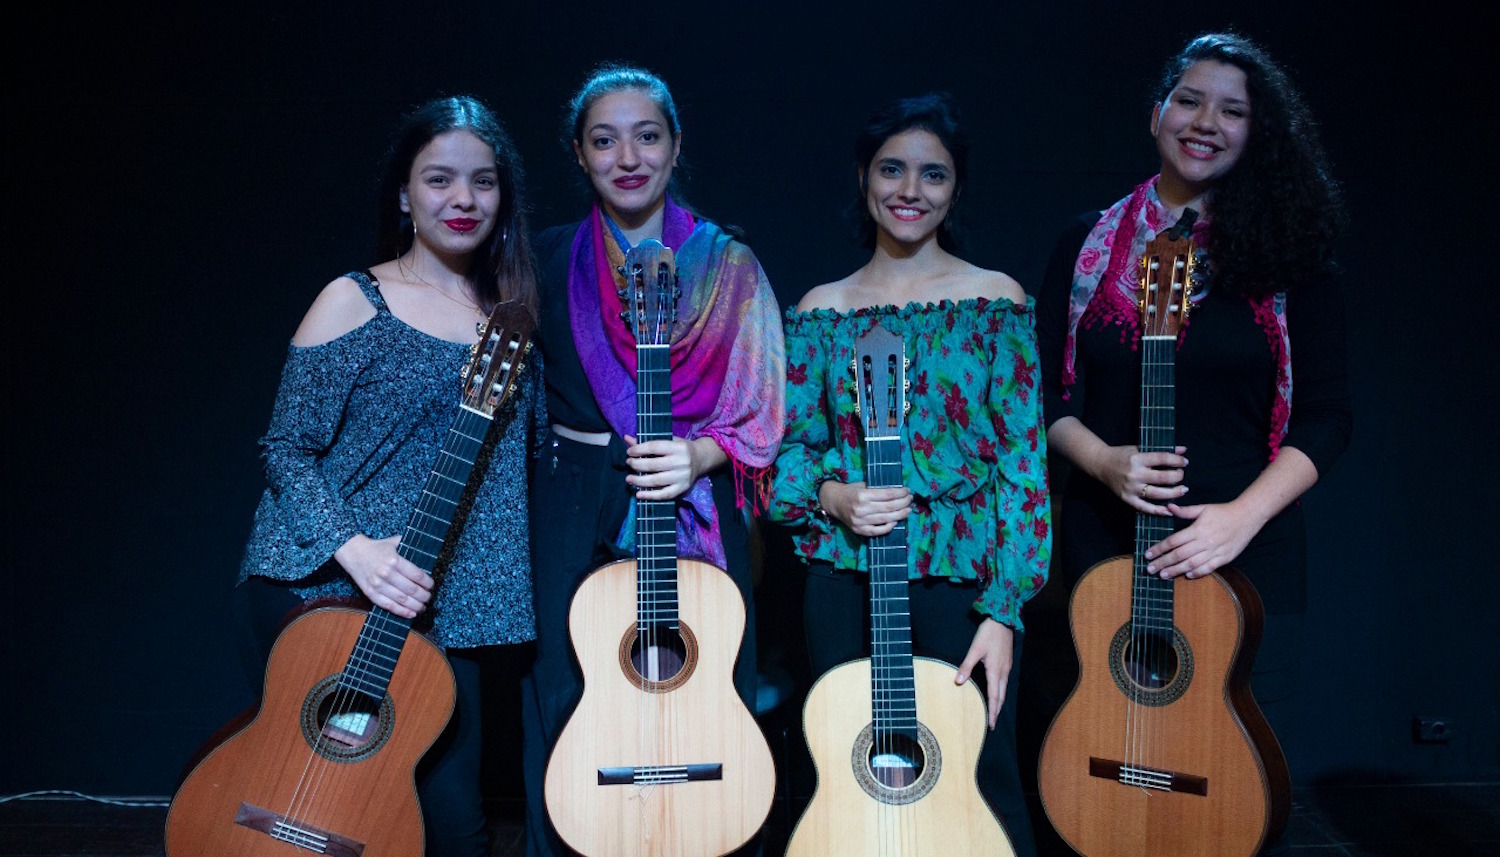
[(1198, 147), (901, 212)]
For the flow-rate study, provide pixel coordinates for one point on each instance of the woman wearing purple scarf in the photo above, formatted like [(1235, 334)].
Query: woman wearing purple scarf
[(728, 372)]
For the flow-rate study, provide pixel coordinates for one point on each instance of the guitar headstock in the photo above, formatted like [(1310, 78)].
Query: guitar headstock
[(1166, 278), (650, 293), (498, 359), (880, 383)]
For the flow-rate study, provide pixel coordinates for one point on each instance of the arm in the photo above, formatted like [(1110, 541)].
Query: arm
[(1319, 430), (315, 386), (1021, 560)]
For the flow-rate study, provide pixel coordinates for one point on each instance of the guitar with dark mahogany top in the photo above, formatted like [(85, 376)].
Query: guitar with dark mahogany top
[(352, 699), (661, 756), (1160, 749), (895, 742)]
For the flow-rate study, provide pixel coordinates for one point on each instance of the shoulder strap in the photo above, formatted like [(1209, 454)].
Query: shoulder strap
[(371, 289)]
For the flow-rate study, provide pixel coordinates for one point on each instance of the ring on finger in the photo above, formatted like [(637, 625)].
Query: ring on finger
[(1143, 491)]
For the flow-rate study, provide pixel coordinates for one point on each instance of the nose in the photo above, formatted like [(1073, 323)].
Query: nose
[(628, 157), (1205, 120), (463, 195), (910, 187)]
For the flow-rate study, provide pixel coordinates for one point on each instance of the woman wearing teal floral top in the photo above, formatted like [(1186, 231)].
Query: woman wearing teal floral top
[(974, 450)]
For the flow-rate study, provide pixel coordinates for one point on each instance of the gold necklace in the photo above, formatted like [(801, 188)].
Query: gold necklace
[(418, 277)]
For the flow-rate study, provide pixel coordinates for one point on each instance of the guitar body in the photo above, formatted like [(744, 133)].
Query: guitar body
[(364, 805), (1230, 785), (626, 722), (852, 814)]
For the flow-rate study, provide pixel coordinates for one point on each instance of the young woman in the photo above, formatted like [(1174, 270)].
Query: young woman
[(727, 379), (974, 493), (1239, 147), (370, 389)]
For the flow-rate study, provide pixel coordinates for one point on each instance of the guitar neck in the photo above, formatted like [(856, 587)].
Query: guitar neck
[(379, 644), (656, 520), (1152, 607), (892, 682)]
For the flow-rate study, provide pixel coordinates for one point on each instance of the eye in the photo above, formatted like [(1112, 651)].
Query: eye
[(890, 171), (1236, 113), (935, 176), (649, 137), (485, 181), (602, 142), (437, 180), (1187, 101)]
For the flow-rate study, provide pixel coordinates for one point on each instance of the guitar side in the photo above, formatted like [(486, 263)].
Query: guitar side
[(367, 806), (952, 820), (1233, 785), (700, 720)]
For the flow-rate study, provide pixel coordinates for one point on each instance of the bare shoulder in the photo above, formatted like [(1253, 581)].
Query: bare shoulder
[(339, 308), (834, 296), (993, 285)]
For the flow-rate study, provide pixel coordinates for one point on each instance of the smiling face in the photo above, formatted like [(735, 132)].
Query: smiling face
[(910, 186), (1201, 130), (453, 193), (627, 150)]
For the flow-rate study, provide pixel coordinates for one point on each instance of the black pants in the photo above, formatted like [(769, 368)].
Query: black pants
[(836, 619), (448, 777), (579, 501)]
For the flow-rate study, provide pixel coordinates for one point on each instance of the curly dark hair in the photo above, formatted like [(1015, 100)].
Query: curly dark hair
[(1278, 213), (934, 112), (502, 268)]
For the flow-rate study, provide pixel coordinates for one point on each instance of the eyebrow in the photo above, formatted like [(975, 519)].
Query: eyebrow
[(1201, 94), (930, 165), (605, 126)]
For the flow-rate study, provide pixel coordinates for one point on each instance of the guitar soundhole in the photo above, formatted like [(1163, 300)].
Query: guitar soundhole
[(1151, 666), (657, 660), (895, 768), (343, 725)]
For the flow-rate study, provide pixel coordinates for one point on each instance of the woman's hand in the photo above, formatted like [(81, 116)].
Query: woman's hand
[(1145, 481), (667, 469), (388, 579), (994, 645), (1218, 534), (865, 510)]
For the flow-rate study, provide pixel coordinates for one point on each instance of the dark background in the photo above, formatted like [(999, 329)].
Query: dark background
[(180, 183)]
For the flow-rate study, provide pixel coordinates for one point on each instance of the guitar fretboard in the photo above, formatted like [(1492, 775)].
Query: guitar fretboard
[(1152, 607), (892, 684), (373, 661), (656, 520)]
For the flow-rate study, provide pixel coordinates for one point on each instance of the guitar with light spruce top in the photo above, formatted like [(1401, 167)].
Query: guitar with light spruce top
[(352, 699), (661, 756), (895, 742), (1160, 749)]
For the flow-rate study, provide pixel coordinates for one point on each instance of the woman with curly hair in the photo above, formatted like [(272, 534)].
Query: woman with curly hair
[(1240, 149)]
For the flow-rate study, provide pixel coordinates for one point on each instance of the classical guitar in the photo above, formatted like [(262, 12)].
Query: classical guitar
[(661, 757), (352, 699), (1160, 749), (893, 779)]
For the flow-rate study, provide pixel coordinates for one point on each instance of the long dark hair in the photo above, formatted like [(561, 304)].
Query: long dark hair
[(934, 112), (502, 268), (1278, 213)]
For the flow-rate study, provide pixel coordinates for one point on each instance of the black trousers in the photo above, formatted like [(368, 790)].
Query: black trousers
[(836, 619)]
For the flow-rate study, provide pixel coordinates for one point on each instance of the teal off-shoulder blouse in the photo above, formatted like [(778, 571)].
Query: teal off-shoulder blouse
[(974, 444)]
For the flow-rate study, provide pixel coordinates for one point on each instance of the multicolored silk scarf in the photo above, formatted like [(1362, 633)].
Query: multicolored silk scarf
[(1108, 256), (728, 358)]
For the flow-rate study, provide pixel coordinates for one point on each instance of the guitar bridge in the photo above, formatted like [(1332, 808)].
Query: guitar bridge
[(303, 836), (1148, 778), (655, 775)]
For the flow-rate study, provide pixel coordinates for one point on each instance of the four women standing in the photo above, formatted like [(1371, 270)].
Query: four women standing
[(342, 462)]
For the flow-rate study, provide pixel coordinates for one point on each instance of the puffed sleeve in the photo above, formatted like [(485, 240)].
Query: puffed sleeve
[(1023, 534), (805, 459)]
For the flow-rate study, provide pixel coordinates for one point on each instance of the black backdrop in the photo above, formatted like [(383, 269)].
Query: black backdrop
[(180, 182)]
